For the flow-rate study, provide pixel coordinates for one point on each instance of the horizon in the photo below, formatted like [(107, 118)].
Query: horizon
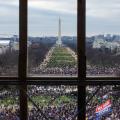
[(112, 34)]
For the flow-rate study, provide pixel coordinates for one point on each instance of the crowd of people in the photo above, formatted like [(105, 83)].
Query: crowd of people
[(94, 70), (65, 110), (65, 71), (103, 94), (9, 109), (8, 71), (9, 113), (52, 67)]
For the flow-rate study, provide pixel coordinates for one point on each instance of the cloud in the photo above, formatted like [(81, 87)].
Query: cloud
[(103, 9), (8, 8), (9, 2), (42, 16), (9, 16), (102, 17), (61, 6)]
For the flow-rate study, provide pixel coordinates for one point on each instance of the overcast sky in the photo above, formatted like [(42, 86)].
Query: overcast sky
[(43, 17), (9, 17), (102, 17)]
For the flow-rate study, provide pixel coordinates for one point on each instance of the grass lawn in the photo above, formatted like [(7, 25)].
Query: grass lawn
[(41, 100), (61, 58), (9, 101), (45, 100)]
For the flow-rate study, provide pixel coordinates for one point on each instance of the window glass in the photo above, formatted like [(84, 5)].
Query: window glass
[(54, 102), (9, 103), (52, 40), (103, 102), (103, 38), (9, 40)]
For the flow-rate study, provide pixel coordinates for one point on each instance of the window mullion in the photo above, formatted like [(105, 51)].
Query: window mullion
[(81, 58), (22, 70)]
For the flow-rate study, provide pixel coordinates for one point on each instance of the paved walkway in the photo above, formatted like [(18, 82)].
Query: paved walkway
[(47, 58), (72, 53)]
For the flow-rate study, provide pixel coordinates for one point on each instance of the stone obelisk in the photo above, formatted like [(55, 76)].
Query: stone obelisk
[(59, 41)]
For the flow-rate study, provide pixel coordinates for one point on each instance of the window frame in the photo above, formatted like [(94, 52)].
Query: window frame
[(23, 80), (81, 81)]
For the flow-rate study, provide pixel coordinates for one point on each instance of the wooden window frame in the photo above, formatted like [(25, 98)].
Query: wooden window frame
[(81, 81)]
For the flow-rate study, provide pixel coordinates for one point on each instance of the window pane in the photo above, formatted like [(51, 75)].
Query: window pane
[(103, 38), (52, 38), (9, 40), (54, 102), (9, 103), (103, 102)]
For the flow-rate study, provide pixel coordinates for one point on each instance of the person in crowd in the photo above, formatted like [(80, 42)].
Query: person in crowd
[(105, 93), (62, 111)]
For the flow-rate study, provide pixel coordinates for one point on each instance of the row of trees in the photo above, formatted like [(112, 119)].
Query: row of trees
[(9, 62), (37, 55), (71, 43), (102, 57)]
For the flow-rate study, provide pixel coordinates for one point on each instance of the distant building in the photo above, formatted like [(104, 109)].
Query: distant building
[(101, 43), (108, 37), (116, 38), (14, 43), (5, 37), (10, 42), (4, 45), (99, 37)]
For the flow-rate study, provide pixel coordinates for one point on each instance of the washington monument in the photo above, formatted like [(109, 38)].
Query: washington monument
[(59, 41)]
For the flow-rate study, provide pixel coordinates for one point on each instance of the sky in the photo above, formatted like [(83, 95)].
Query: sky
[(101, 17), (43, 17), (9, 17)]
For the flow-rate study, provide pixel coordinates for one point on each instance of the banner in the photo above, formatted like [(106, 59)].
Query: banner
[(103, 108)]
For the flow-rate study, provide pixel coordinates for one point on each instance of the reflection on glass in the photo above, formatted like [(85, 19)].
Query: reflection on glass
[(9, 103), (54, 102), (9, 40), (103, 103), (103, 38), (52, 38)]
